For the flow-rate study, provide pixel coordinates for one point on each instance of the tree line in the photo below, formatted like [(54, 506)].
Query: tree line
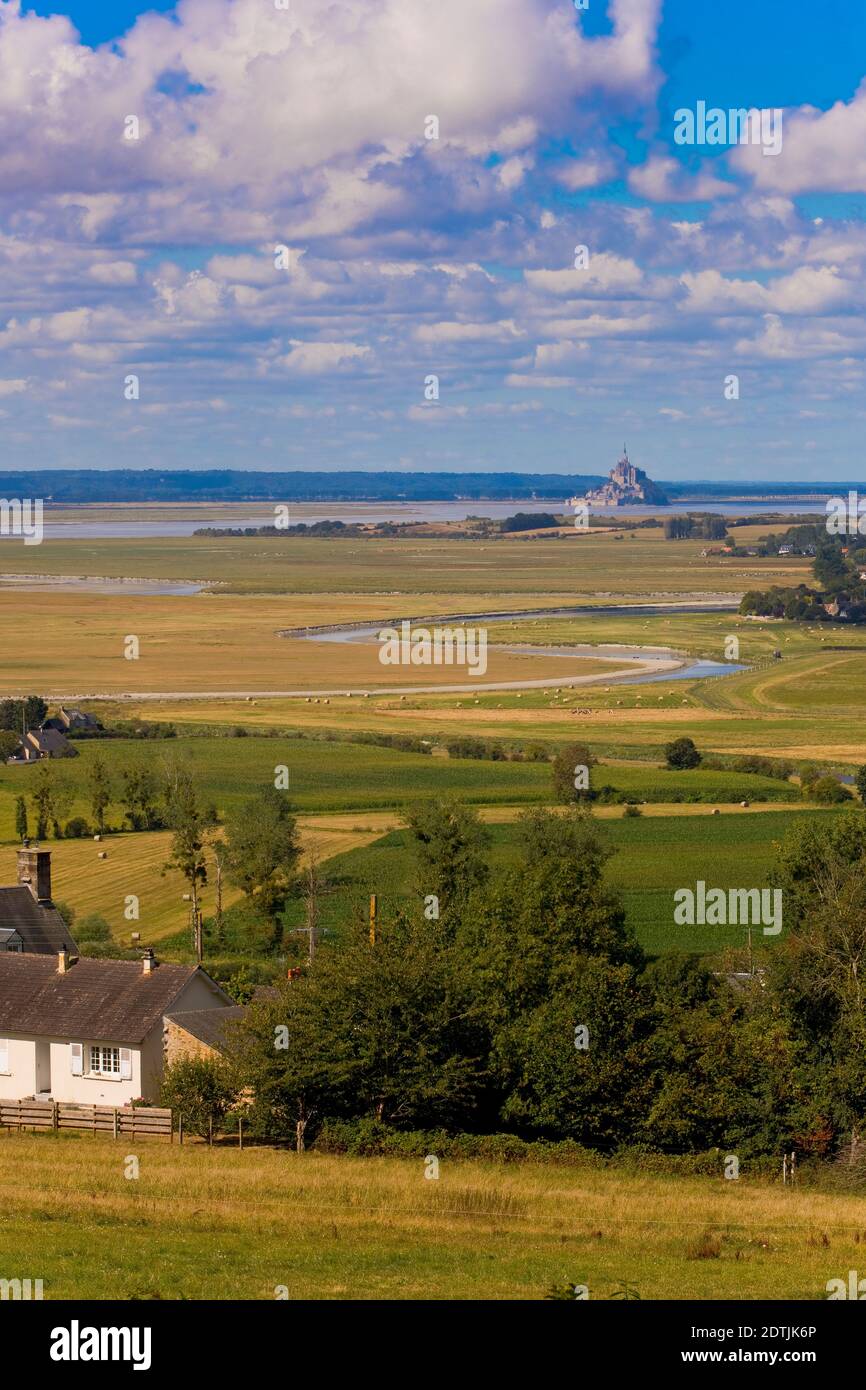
[(517, 1001)]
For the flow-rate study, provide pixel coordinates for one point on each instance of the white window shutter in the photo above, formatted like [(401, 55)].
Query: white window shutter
[(4, 1054), (125, 1064), (76, 1058)]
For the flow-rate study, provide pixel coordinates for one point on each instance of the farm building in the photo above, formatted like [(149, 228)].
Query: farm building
[(29, 921), (198, 1032), (91, 1031), (43, 743), (72, 719)]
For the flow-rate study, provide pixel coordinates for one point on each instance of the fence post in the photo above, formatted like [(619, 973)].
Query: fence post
[(180, 1128), (114, 1118), (54, 1114)]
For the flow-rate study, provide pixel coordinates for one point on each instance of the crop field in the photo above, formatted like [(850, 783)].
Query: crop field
[(653, 856), (342, 776), (203, 1223)]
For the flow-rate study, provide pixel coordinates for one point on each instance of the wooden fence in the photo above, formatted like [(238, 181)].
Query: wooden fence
[(132, 1120)]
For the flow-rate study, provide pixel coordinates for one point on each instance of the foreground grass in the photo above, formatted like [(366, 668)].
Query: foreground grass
[(225, 1224)]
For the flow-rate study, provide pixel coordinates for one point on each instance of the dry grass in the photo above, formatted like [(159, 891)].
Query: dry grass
[(225, 1224)]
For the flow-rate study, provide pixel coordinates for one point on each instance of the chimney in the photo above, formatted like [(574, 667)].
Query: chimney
[(149, 961), (34, 872), (64, 961)]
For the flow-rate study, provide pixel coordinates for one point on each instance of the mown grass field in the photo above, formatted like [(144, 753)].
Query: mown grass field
[(653, 856), (217, 1223), (136, 864)]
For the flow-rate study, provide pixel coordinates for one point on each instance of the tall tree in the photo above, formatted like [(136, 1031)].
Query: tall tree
[(99, 783), (262, 849), (187, 842), (450, 842), (139, 796), (21, 818)]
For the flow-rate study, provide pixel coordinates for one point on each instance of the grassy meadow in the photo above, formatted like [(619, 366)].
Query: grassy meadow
[(585, 565), (220, 1223)]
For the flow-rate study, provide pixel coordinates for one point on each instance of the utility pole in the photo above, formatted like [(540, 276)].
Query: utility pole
[(311, 895)]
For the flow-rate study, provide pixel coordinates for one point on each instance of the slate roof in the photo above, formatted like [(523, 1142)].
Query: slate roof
[(96, 1000), (49, 741), (41, 928), (207, 1025)]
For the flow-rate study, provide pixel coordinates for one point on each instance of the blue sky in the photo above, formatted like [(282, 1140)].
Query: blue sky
[(149, 319)]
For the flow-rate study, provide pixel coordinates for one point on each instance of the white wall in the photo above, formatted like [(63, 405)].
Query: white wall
[(82, 1090)]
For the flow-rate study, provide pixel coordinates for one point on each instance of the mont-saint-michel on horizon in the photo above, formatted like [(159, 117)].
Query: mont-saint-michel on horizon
[(626, 484)]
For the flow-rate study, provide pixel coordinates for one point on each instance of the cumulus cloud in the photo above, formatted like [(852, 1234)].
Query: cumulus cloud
[(663, 180), (822, 151)]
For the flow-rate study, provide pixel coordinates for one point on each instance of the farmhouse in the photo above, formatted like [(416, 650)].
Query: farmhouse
[(91, 1031), (43, 743), (29, 921), (75, 719)]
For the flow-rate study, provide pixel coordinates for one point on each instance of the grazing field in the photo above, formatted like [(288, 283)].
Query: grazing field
[(231, 645), (217, 1223), (653, 856)]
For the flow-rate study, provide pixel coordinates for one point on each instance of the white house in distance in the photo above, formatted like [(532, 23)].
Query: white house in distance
[(88, 1031)]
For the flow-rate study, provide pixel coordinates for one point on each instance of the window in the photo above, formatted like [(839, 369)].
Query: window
[(104, 1061)]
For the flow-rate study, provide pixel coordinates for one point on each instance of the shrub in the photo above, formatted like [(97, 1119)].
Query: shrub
[(77, 828), (682, 753), (828, 792), (93, 928), (198, 1088)]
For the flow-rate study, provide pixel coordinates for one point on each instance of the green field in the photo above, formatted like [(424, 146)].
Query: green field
[(652, 858), (217, 1223), (338, 776)]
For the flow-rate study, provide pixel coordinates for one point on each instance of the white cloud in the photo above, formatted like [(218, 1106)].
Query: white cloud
[(822, 151), (314, 358), (663, 180)]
